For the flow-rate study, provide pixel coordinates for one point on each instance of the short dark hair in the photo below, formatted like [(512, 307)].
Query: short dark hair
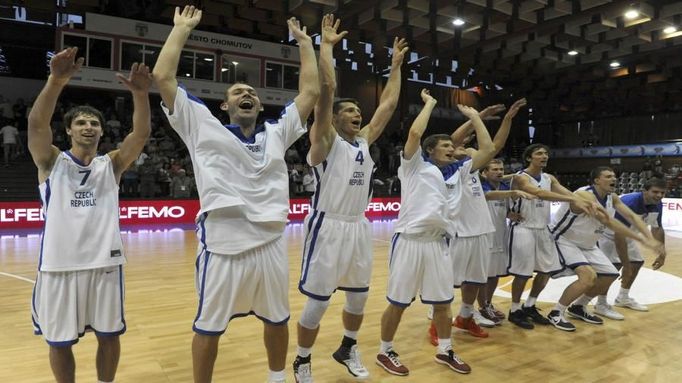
[(337, 104), (82, 109), (655, 182), (530, 149), (431, 141), (596, 172)]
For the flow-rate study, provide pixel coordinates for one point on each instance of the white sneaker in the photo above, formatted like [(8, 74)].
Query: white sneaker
[(429, 314), (630, 303), (351, 359), (481, 321), (607, 311)]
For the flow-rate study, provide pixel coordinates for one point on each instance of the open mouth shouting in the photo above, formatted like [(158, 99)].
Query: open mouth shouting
[(247, 104)]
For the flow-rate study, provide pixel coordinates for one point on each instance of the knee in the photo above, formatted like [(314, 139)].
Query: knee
[(441, 308), (312, 313), (355, 302), (588, 276)]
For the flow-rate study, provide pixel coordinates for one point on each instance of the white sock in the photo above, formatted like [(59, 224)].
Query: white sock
[(466, 311), (385, 346), (444, 345), (560, 307), (304, 352), (278, 376), (530, 302), (515, 306), (351, 334), (601, 299), (584, 300), (624, 293)]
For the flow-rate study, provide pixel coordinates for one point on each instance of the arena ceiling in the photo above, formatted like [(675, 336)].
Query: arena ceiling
[(560, 54)]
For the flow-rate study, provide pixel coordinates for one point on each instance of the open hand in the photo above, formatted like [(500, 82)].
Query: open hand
[(63, 65), (329, 30), (189, 17), (300, 34), (139, 79), (400, 48)]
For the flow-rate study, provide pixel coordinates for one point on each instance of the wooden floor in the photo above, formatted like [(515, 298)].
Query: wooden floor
[(161, 304)]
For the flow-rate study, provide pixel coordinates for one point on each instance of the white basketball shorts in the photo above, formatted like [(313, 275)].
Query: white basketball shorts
[(532, 250)]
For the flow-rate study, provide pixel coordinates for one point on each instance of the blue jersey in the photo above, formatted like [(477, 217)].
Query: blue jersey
[(650, 214)]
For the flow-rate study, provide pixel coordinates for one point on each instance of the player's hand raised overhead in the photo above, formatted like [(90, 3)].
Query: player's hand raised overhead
[(299, 33), (400, 48), (514, 109), (426, 96), (139, 79), (330, 34), (63, 65), (468, 111), (492, 110), (189, 16)]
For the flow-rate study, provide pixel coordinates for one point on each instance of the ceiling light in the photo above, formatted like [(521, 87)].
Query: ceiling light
[(614, 64), (631, 14), (209, 59), (670, 29), (224, 70), (458, 22), (572, 53), (235, 62)]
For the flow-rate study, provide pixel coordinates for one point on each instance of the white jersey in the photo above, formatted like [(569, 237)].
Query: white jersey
[(470, 210), (245, 178), (424, 207), (535, 213), (498, 208), (343, 181), (80, 207), (580, 229)]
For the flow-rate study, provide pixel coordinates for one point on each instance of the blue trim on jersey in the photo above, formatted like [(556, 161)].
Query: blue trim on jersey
[(574, 266), (568, 226), (449, 170), (354, 289), (354, 143), (511, 242), (562, 261), (191, 96), (207, 256), (62, 344), (316, 231), (394, 240), (561, 221), (46, 203), (318, 184), (399, 304), (602, 201), (322, 298), (75, 159), (488, 187), (538, 179), (608, 274), (239, 315), (36, 325), (201, 225), (237, 131), (208, 333)]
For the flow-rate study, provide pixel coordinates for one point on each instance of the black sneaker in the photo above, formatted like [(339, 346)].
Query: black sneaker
[(534, 314), (558, 321), (303, 370), (520, 319), (579, 312), (350, 357)]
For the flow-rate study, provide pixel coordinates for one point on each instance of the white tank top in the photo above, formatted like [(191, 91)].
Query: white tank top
[(535, 213), (80, 207), (472, 217), (581, 229), (498, 213), (343, 181)]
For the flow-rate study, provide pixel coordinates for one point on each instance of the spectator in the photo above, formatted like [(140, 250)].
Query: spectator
[(10, 140), (181, 185), (129, 182), (164, 179), (308, 182), (292, 155), (147, 175), (6, 111)]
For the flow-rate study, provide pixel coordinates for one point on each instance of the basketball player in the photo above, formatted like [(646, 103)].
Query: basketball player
[(470, 249), (80, 271), (576, 235), (243, 189), (530, 245), (641, 209), (498, 196), (337, 252), (419, 261)]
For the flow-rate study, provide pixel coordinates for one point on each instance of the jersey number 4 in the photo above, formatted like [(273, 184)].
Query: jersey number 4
[(85, 177), (360, 158)]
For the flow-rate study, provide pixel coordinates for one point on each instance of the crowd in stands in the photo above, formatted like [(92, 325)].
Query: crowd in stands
[(164, 169)]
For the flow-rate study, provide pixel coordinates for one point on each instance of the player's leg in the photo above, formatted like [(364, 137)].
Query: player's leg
[(63, 364), (108, 355), (521, 263), (586, 279)]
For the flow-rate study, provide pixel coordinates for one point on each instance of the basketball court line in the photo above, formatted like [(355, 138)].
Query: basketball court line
[(17, 277)]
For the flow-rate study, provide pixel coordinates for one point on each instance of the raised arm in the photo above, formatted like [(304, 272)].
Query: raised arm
[(138, 82), (486, 148), (167, 64), (390, 95), (308, 80), (63, 65), (322, 133), (419, 125), (461, 135), (503, 133)]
